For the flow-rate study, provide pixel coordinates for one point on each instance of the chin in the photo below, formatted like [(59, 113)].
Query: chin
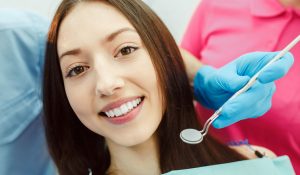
[(135, 140)]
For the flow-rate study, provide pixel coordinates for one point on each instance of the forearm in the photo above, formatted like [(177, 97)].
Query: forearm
[(192, 64)]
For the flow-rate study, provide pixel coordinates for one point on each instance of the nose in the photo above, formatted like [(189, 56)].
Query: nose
[(108, 82)]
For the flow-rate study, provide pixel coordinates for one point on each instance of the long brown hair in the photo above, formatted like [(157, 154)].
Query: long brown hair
[(75, 148)]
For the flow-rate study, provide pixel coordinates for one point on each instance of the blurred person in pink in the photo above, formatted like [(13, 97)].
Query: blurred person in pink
[(222, 30)]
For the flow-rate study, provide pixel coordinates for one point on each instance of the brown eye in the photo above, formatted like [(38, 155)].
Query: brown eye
[(126, 51), (76, 71)]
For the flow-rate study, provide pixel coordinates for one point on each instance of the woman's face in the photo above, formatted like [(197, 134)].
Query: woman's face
[(108, 75)]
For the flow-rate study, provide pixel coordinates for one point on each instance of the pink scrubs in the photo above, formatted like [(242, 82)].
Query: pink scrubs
[(223, 30)]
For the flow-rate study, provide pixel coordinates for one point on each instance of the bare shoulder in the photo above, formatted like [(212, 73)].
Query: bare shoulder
[(249, 151)]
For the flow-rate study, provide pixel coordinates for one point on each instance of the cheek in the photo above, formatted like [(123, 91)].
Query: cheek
[(80, 102), (150, 81), (78, 99), (146, 72)]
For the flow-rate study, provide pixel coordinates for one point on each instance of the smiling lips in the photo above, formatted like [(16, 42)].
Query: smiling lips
[(124, 108), (122, 111)]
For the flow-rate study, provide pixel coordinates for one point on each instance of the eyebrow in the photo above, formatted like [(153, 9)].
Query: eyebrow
[(113, 35), (109, 38), (70, 52)]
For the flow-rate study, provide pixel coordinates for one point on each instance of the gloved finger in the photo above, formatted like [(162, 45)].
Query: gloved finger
[(230, 82), (200, 84), (240, 111), (249, 64), (224, 120), (251, 104), (223, 86), (277, 69)]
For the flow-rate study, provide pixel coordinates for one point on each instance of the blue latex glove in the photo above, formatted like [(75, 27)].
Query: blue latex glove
[(213, 87)]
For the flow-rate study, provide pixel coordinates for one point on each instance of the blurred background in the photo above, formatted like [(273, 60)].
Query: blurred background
[(175, 13)]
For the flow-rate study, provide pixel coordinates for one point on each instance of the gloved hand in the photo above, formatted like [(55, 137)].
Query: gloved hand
[(213, 87)]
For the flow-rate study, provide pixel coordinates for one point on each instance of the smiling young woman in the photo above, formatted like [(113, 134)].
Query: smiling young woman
[(116, 95)]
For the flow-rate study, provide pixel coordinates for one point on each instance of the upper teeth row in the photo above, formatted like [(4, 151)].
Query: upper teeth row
[(124, 108)]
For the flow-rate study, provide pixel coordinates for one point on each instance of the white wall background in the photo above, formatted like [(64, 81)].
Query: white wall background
[(175, 13)]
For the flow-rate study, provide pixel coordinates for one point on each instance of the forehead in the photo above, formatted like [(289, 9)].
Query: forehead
[(90, 21)]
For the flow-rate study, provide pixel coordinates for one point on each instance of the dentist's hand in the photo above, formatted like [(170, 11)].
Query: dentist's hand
[(213, 87)]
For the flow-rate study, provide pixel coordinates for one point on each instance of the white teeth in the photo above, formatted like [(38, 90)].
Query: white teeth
[(124, 108), (117, 112), (135, 103), (110, 113), (129, 105)]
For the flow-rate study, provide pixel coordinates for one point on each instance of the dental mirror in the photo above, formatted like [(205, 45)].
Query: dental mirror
[(191, 136)]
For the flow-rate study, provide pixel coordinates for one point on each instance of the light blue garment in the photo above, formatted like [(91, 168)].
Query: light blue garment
[(22, 142), (263, 166)]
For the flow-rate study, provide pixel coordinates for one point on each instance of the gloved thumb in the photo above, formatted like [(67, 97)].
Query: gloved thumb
[(234, 83), (277, 69)]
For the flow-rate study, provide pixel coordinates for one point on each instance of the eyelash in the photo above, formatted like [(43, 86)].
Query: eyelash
[(71, 72), (132, 49)]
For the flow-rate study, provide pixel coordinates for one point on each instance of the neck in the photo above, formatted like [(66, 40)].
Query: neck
[(135, 160), (290, 3)]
